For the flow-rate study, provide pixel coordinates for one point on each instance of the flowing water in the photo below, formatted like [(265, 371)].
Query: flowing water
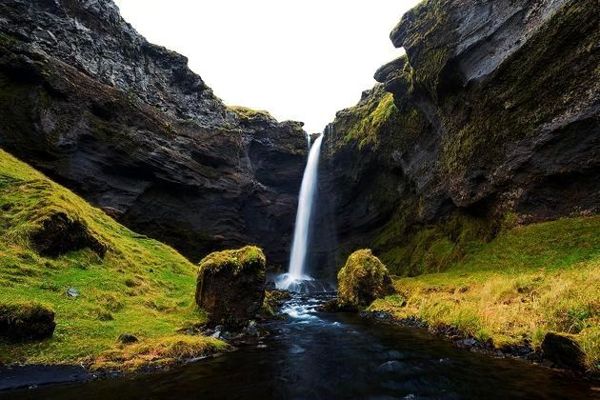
[(296, 277), (311, 355)]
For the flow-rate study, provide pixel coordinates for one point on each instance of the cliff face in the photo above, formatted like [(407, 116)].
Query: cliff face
[(492, 118), (128, 126)]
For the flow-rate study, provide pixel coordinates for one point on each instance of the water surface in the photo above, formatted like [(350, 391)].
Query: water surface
[(336, 356)]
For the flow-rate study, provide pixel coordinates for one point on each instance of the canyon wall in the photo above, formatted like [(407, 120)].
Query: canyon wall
[(491, 119), (125, 124)]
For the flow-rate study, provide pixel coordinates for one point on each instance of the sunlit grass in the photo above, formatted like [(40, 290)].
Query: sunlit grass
[(141, 286), (527, 282)]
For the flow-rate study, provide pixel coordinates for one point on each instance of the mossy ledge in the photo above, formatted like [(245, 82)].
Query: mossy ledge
[(140, 286)]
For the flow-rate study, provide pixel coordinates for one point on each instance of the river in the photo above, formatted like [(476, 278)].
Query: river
[(312, 355)]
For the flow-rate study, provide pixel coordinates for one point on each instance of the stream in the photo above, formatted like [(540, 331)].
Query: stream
[(312, 355)]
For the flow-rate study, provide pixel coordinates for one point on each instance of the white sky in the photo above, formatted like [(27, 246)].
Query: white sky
[(301, 60)]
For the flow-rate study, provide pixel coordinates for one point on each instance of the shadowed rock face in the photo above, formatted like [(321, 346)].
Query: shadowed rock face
[(128, 126), (492, 115)]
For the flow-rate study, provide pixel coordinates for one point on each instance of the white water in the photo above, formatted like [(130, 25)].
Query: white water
[(308, 189)]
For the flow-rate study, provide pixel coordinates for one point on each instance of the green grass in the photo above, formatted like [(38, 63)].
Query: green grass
[(246, 113), (526, 282), (140, 286)]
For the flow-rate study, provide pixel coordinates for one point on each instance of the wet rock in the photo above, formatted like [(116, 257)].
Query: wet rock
[(363, 279), (231, 286), (251, 329), (295, 349), (127, 338), (467, 342), (393, 355), (330, 306), (563, 351), (26, 321), (391, 366), (274, 299), (59, 234)]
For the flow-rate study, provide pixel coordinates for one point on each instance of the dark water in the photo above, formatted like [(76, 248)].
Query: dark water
[(321, 356)]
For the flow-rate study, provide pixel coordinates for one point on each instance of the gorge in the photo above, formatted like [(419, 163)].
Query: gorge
[(454, 207)]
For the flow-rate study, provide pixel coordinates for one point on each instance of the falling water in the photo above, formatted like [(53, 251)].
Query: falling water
[(306, 199)]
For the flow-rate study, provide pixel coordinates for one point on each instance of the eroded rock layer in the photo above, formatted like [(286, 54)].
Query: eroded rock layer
[(492, 118), (127, 125)]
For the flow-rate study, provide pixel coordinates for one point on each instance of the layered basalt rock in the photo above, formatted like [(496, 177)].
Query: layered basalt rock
[(491, 118), (127, 125)]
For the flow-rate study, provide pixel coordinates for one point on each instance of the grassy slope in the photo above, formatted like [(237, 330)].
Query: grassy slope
[(142, 286), (526, 282)]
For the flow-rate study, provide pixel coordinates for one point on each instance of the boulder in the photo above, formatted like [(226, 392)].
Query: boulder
[(363, 279), (563, 351), (274, 299), (26, 322), (231, 286)]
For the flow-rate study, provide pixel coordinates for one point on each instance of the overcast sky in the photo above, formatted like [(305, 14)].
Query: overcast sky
[(302, 60)]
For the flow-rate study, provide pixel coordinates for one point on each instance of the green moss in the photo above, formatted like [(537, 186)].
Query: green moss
[(248, 114), (246, 257), (536, 84), (410, 250), (362, 279), (369, 118), (106, 306)]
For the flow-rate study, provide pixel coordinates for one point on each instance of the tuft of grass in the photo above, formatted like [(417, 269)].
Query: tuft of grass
[(158, 352), (528, 281), (140, 286), (249, 114)]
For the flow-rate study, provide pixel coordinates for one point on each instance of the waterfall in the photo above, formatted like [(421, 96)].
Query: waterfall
[(296, 272)]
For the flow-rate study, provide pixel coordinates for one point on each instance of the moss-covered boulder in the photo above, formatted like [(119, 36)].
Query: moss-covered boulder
[(563, 351), (363, 279), (25, 322), (231, 285)]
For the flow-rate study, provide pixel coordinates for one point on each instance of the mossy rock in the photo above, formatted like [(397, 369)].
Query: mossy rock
[(26, 321), (231, 285), (563, 351), (363, 279), (274, 299)]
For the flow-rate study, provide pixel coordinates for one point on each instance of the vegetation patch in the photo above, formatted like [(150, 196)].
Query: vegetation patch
[(528, 281), (249, 114), (140, 286), (157, 352)]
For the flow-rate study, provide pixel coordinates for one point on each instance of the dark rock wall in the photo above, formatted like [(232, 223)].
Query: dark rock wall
[(128, 126), (492, 118)]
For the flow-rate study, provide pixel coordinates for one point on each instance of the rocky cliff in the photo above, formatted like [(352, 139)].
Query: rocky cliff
[(127, 125), (491, 118)]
